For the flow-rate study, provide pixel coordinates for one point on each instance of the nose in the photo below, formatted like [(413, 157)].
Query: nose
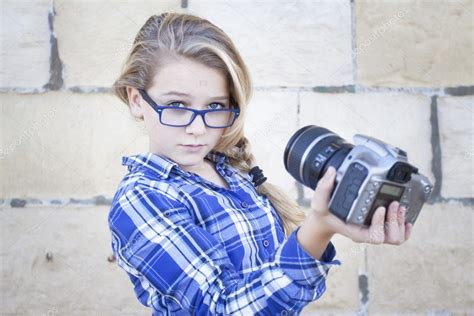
[(197, 126)]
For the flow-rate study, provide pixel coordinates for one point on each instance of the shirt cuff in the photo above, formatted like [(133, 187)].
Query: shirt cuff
[(300, 266)]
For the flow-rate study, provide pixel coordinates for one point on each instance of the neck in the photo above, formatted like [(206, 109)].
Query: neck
[(203, 167)]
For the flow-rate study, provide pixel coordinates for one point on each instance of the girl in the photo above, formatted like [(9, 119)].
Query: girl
[(194, 230)]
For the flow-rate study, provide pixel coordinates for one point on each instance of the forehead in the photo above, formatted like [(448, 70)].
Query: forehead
[(187, 76)]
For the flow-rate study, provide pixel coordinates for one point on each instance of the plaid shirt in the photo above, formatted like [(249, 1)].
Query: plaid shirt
[(190, 246)]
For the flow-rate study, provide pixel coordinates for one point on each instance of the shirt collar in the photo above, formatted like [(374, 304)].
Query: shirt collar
[(163, 165)]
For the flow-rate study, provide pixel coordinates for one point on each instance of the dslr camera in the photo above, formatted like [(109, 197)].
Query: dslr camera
[(369, 174)]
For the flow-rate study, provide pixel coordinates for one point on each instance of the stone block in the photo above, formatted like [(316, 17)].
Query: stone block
[(25, 49), (65, 145), (415, 43), (456, 117), (293, 43), (432, 271), (95, 37), (78, 278)]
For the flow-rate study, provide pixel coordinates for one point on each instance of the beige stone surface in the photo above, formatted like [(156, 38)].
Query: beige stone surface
[(397, 119), (78, 280), (456, 119), (24, 44), (432, 271), (65, 145), (271, 119), (293, 43), (415, 43), (290, 44), (95, 36)]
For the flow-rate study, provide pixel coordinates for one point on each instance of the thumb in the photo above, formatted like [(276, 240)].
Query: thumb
[(322, 194)]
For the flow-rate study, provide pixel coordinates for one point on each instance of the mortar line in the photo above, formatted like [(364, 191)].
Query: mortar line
[(354, 89), (55, 65), (436, 162)]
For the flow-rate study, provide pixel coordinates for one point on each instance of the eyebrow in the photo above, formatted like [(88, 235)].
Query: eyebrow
[(181, 94)]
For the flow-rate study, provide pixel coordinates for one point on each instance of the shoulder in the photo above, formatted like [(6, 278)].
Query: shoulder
[(145, 205), (142, 181), (140, 195), (138, 186)]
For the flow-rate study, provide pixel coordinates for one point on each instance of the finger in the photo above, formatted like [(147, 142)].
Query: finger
[(392, 230), (357, 233), (402, 214), (322, 194), (376, 229), (408, 230)]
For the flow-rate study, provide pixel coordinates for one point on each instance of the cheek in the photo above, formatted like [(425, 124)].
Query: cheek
[(150, 118), (216, 134), (154, 128), (164, 133)]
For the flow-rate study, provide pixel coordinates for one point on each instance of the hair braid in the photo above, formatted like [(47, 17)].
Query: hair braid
[(291, 214)]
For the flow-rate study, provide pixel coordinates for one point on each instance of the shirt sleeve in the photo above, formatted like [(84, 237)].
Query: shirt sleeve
[(155, 239)]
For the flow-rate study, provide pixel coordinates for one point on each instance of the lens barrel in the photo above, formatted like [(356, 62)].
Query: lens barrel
[(310, 152)]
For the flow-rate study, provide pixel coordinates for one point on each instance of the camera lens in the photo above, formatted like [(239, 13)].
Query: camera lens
[(310, 152)]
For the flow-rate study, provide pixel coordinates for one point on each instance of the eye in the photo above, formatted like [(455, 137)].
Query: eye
[(175, 102), (222, 106), (212, 106)]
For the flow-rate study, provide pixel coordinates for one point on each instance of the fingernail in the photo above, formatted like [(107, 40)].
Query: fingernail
[(330, 171)]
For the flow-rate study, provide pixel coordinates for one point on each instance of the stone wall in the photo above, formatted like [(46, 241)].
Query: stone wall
[(401, 71)]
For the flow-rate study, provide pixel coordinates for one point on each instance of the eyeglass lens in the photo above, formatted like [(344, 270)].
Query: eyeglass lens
[(182, 117)]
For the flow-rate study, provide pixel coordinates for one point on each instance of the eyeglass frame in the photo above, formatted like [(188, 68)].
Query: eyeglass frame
[(159, 109)]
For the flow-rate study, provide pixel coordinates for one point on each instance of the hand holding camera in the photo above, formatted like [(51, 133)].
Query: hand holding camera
[(387, 226)]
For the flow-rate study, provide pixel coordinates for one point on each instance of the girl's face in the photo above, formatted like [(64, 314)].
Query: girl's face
[(202, 88)]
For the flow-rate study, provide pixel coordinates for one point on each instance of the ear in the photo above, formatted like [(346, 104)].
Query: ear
[(136, 102)]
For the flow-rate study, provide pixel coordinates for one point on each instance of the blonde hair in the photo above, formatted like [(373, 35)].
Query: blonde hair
[(173, 35)]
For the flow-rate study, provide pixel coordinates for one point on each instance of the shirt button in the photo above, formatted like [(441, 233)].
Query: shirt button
[(266, 243), (228, 173), (244, 204)]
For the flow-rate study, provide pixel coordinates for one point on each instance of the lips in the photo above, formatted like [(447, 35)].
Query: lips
[(192, 148), (192, 145)]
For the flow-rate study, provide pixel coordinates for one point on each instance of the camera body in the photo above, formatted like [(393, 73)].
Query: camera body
[(369, 174), (374, 174)]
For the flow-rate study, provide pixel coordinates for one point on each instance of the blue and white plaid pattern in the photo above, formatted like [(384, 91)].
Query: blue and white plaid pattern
[(190, 246)]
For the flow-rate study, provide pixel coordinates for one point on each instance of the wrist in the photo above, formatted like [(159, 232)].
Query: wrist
[(322, 223), (314, 235)]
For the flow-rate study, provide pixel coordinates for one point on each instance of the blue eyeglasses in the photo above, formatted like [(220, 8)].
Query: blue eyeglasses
[(179, 117)]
